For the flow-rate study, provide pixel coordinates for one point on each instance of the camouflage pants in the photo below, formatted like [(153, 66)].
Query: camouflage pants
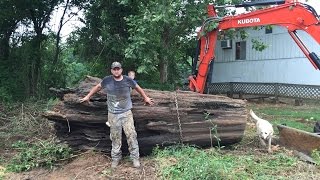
[(117, 123)]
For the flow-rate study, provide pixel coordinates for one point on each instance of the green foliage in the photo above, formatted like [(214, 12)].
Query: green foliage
[(104, 38), (39, 154), (53, 73), (74, 69), (316, 156), (302, 119), (157, 86), (2, 173), (155, 38), (27, 64), (209, 26), (292, 112), (186, 162), (294, 124), (161, 36), (213, 130), (51, 102), (243, 34), (214, 133), (5, 94), (269, 27), (258, 45)]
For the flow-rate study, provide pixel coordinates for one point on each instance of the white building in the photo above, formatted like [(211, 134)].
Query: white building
[(281, 62)]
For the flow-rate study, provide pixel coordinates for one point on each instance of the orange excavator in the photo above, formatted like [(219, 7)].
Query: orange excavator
[(291, 14)]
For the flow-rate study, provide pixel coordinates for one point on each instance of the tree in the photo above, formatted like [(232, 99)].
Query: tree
[(105, 36), (160, 31), (66, 7), (12, 12), (39, 12), (58, 38)]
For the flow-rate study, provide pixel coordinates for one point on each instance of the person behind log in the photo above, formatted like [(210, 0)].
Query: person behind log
[(132, 75), (117, 87)]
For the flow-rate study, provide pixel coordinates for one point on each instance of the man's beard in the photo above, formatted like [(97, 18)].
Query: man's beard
[(117, 76)]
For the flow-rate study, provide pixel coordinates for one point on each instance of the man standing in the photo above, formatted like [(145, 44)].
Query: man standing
[(120, 116)]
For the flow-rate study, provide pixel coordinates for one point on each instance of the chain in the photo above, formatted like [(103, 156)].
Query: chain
[(178, 116)]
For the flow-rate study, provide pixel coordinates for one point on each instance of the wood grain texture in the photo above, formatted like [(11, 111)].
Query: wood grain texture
[(155, 125)]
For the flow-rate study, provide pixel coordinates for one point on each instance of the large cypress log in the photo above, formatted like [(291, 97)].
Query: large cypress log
[(177, 117)]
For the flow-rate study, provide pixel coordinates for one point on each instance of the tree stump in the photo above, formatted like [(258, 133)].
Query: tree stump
[(177, 117)]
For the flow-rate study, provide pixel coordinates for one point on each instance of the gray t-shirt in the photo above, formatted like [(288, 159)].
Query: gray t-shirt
[(118, 93)]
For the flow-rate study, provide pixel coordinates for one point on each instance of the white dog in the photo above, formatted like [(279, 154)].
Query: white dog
[(264, 130)]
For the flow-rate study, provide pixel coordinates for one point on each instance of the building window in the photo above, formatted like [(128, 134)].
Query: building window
[(241, 50), (268, 29)]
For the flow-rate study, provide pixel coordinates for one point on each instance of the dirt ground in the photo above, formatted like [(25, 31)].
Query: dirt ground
[(96, 165), (91, 165)]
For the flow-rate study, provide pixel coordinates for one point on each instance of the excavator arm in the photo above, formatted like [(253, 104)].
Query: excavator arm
[(290, 14)]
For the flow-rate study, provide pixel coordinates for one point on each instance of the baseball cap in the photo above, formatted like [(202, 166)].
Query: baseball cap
[(115, 64)]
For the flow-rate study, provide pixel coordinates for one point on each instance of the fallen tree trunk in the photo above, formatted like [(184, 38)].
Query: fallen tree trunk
[(177, 117)]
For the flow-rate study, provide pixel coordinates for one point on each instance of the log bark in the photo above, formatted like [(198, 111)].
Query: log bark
[(177, 117)]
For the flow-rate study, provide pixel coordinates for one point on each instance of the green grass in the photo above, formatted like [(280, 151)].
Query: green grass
[(316, 156), (2, 168), (300, 117), (292, 112), (185, 162), (294, 124), (177, 162)]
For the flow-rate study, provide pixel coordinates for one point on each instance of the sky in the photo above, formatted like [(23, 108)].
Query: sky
[(74, 22), (314, 3)]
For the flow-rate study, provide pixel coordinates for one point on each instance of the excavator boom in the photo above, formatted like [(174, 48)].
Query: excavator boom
[(290, 14)]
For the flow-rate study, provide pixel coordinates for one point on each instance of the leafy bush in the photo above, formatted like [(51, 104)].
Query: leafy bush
[(39, 154), (75, 72)]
